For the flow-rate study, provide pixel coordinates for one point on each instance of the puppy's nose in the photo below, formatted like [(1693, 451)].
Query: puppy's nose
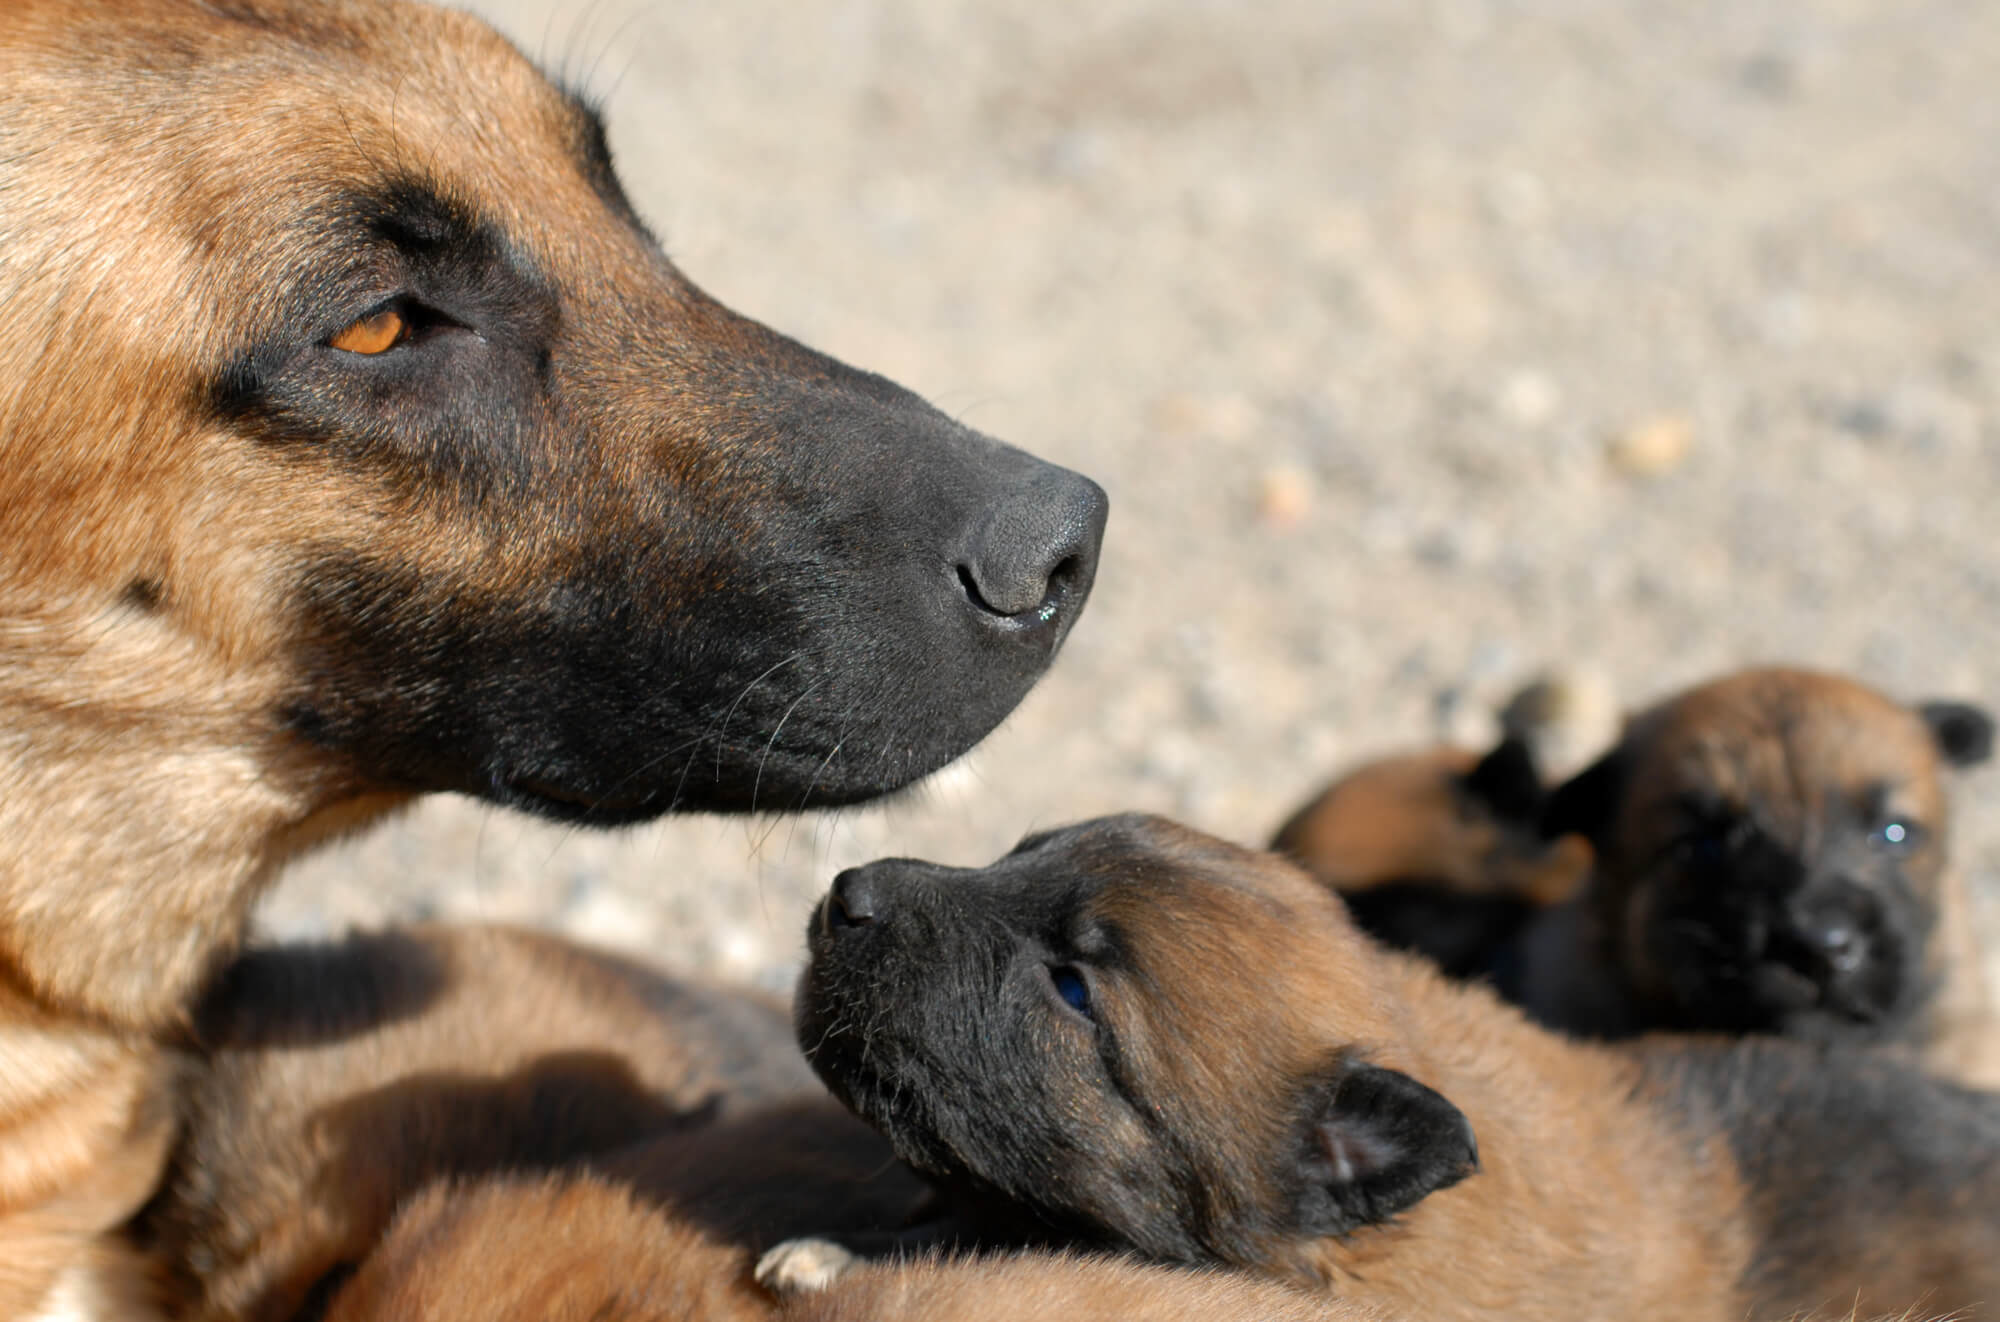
[(852, 901), (1833, 923), (1840, 943), (1032, 559)]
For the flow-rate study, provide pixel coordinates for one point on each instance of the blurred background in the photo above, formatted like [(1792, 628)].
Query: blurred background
[(1421, 344)]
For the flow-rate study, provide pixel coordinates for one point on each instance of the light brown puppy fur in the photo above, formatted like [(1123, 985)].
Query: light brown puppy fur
[(1439, 852), (1418, 817), (1035, 1285), (578, 1248), (332, 1082), (1200, 1058)]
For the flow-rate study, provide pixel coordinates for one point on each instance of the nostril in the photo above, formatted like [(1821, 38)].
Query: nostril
[(970, 585), (1031, 558), (1030, 601), (1843, 947)]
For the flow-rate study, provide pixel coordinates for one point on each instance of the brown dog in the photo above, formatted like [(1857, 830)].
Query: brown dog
[(1150, 1038), (1771, 857), (578, 1248), (1439, 852), (357, 441)]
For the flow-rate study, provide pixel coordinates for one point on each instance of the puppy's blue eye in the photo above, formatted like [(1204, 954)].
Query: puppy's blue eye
[(1070, 986), (1894, 833)]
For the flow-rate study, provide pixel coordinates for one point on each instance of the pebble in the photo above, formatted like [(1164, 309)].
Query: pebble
[(1652, 448)]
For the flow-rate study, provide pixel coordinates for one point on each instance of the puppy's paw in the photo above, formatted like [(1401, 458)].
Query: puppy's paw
[(802, 1266)]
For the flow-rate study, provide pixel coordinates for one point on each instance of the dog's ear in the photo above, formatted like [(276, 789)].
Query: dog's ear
[(1506, 781), (1585, 803), (1376, 1142), (1964, 733)]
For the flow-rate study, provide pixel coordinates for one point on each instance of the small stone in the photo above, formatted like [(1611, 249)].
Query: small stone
[(1567, 717), (1284, 496), (1652, 448), (1529, 398)]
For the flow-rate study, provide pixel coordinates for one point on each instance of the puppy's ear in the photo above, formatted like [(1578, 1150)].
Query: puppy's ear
[(1964, 733), (1585, 803), (1376, 1143), (1505, 780)]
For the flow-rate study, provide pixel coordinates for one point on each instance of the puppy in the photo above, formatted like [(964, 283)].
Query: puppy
[(357, 441), (1439, 852), (331, 1083), (1771, 858), (485, 1123), (1140, 1036)]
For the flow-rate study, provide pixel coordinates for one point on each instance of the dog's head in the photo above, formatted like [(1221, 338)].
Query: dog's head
[(1771, 847), (1142, 1034), (342, 389), (357, 440)]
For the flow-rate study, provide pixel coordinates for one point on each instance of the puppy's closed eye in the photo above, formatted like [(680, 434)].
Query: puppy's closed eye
[(1072, 990)]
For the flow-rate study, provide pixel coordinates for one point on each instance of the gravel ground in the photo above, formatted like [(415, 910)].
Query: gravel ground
[(1421, 344)]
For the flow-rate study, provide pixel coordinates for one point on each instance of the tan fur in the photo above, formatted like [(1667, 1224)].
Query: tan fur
[(1598, 1194), (336, 1081), (547, 1249), (1400, 818), (145, 793), (578, 1248), (1029, 1285), (1583, 1206)]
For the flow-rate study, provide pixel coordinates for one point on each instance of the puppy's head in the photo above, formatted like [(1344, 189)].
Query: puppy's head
[(1140, 1033), (1771, 847)]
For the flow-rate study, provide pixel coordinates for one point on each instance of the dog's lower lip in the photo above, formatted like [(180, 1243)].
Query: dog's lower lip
[(530, 788)]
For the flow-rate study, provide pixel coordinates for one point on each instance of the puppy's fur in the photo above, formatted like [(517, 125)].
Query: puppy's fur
[(357, 441), (1439, 852), (579, 1248), (1199, 1057), (334, 1082), (1771, 857)]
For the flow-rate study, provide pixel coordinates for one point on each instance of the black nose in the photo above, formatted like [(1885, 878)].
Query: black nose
[(1840, 943), (852, 901), (1829, 929), (1030, 561)]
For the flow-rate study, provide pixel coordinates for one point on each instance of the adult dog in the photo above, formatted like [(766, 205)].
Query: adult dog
[(357, 441), (1144, 1036)]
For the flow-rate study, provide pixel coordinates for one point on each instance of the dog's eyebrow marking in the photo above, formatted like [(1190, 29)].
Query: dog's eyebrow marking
[(423, 220)]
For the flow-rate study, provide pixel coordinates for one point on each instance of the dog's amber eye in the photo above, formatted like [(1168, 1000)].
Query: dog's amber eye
[(378, 332)]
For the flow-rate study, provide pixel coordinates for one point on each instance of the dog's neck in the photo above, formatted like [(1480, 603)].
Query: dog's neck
[(1581, 1187), (137, 826)]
